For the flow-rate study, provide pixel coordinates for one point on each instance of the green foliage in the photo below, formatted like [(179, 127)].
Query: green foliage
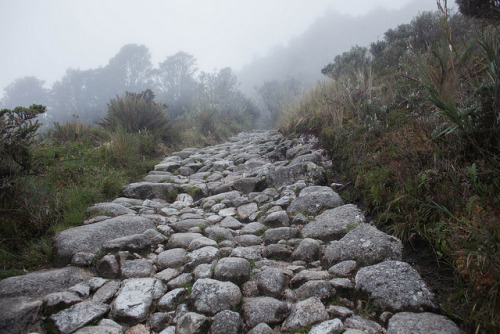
[(137, 112), (414, 134), (17, 132)]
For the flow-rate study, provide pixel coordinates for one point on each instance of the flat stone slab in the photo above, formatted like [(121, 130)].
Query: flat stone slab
[(266, 310), (79, 315), (394, 286), (43, 282), (89, 238), (211, 296), (421, 323), (333, 224), (366, 245), (20, 315), (315, 198)]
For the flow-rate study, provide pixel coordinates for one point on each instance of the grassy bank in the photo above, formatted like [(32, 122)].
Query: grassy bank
[(412, 124)]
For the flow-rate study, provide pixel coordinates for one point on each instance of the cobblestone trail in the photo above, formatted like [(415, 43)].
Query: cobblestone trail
[(241, 237)]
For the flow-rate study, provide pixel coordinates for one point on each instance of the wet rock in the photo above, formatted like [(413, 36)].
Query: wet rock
[(20, 315), (211, 296), (363, 324), (364, 244), (333, 326), (334, 223), (421, 323), (43, 282), (234, 269), (108, 267), (271, 282), (313, 199), (226, 322), (78, 315), (305, 313), (192, 323), (89, 238), (109, 209), (263, 310), (135, 298), (394, 285), (171, 258), (308, 250), (316, 288)]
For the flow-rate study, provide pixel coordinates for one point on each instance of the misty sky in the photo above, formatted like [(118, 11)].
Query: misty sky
[(45, 37)]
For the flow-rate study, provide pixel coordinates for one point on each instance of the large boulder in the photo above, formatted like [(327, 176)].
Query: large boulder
[(334, 223), (43, 282), (307, 171), (421, 323), (148, 190), (366, 245), (305, 313), (89, 238), (313, 199), (20, 315), (394, 286)]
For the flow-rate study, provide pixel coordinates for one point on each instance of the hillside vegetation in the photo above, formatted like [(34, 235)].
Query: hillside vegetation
[(48, 179), (412, 122)]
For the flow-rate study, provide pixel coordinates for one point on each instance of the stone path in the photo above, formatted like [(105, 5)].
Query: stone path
[(242, 237)]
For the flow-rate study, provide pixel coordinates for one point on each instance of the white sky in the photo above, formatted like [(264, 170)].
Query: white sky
[(45, 37)]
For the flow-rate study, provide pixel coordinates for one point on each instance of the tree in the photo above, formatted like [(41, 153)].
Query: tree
[(25, 91), (275, 94), (481, 9), (175, 83)]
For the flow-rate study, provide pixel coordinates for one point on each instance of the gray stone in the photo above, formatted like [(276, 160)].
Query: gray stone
[(343, 269), (316, 288), (78, 315), (273, 235), (137, 268), (234, 269), (337, 311), (253, 228), (334, 223), (308, 275), (308, 250), (57, 301), (132, 305), (100, 329), (168, 274), (333, 326), (43, 282), (180, 281), (248, 240), (226, 322), (246, 210), (89, 238), (182, 240), (185, 225), (277, 219), (171, 258), (96, 282), (267, 310), (363, 324), (249, 184), (271, 282), (108, 267), (159, 320), (230, 222), (366, 245), (249, 253), (261, 328), (107, 292), (395, 286), (205, 254), (305, 313), (132, 243), (341, 283), (230, 195), (308, 171), (211, 296), (421, 323), (201, 242), (277, 252), (203, 270), (81, 289), (20, 315), (167, 166), (109, 209), (192, 323), (219, 233), (313, 199), (82, 259), (171, 299), (148, 190)]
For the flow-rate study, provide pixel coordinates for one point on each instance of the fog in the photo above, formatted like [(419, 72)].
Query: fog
[(260, 40)]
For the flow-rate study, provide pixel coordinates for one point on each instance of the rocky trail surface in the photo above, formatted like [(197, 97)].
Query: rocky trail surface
[(242, 237)]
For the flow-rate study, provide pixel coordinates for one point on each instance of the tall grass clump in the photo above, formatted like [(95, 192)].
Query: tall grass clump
[(413, 131)]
